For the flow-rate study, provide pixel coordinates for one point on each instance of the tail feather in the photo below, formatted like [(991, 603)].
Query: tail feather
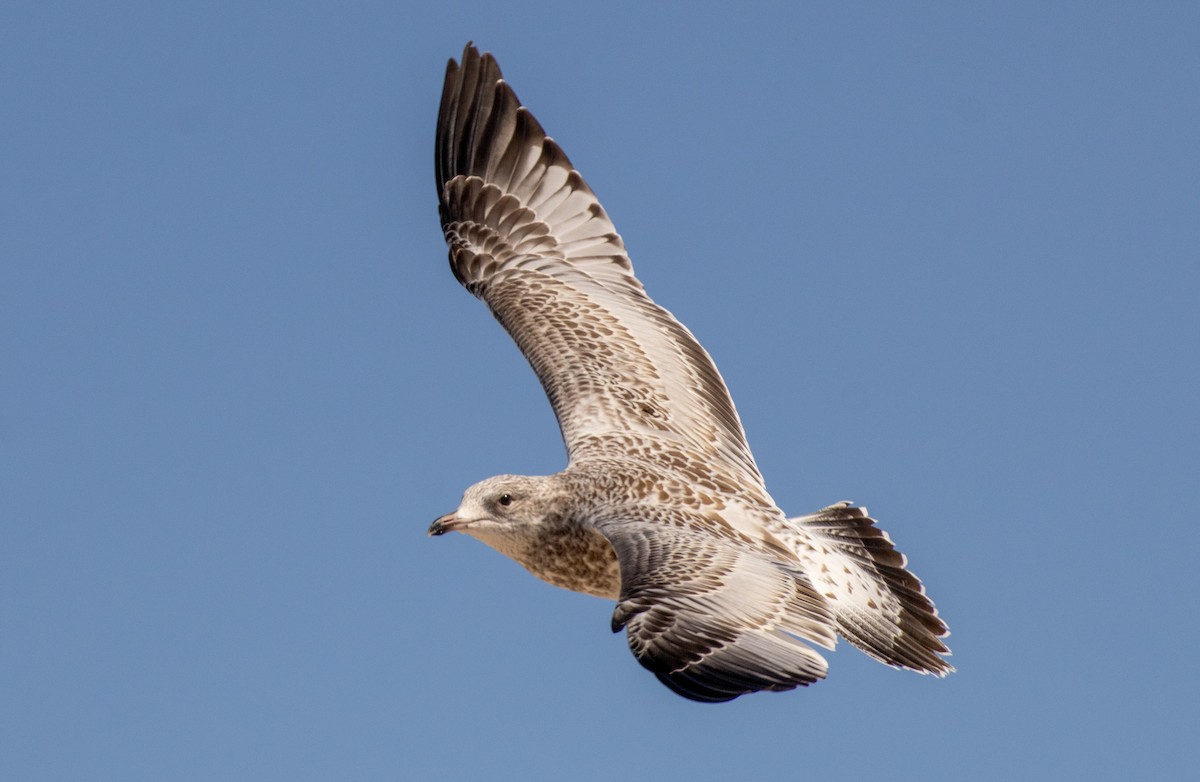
[(878, 605)]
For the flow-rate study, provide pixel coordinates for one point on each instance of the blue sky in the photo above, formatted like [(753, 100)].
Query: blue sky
[(946, 257)]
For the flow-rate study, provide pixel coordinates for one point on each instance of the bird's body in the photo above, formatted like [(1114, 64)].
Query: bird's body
[(661, 506)]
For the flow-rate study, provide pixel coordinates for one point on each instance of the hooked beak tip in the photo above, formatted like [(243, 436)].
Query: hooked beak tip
[(443, 524)]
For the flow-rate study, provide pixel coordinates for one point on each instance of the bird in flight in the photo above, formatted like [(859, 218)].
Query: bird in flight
[(661, 506)]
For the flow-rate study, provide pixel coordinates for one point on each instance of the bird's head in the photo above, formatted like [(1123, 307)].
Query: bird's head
[(502, 509)]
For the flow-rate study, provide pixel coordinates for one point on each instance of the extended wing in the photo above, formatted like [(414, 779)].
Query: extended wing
[(529, 238), (713, 619)]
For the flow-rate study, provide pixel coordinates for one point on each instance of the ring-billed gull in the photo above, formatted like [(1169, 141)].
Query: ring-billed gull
[(661, 506)]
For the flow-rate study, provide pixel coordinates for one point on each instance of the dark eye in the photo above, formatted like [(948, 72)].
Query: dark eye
[(506, 499)]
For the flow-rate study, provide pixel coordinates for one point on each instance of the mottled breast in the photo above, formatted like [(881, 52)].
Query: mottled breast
[(576, 558)]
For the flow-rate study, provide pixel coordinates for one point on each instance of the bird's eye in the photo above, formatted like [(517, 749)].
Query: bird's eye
[(506, 499)]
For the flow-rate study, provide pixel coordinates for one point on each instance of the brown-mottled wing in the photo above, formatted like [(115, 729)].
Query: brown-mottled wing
[(529, 238), (713, 619)]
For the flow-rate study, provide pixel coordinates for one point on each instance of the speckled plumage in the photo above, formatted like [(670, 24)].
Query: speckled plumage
[(661, 506)]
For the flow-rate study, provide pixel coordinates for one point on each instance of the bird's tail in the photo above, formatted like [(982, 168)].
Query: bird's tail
[(878, 605)]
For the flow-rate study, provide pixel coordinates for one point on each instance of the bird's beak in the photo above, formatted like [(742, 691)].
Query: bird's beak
[(444, 524)]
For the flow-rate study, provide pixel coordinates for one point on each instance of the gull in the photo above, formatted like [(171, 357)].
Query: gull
[(661, 506)]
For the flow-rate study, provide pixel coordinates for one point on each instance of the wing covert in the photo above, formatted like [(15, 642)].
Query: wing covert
[(712, 619)]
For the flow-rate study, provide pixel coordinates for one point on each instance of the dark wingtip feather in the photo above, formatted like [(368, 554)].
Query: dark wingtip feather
[(694, 690)]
